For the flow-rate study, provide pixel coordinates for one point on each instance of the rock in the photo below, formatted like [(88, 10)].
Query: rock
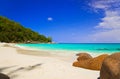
[(91, 63), (83, 56), (111, 67), (3, 76)]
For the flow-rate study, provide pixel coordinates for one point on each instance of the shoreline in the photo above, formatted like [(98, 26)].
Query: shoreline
[(58, 52), (22, 66), (55, 49)]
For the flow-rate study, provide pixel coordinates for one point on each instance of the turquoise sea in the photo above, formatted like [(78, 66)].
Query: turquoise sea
[(77, 47)]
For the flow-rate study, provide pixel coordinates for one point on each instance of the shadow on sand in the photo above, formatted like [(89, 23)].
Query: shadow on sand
[(22, 68), (4, 68)]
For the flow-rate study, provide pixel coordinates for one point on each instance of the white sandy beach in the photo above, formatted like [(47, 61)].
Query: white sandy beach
[(22, 66)]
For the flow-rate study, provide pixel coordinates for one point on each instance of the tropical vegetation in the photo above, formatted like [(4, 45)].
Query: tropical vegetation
[(13, 32)]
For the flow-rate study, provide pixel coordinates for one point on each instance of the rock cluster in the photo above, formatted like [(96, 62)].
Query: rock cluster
[(109, 65)]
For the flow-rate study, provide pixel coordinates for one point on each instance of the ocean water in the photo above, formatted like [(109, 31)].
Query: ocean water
[(77, 47)]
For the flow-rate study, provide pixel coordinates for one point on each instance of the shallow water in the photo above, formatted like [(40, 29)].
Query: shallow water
[(77, 47)]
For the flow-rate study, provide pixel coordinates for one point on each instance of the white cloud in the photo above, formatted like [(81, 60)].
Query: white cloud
[(50, 18), (110, 22)]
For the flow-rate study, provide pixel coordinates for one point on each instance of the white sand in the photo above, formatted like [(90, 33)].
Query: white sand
[(18, 66)]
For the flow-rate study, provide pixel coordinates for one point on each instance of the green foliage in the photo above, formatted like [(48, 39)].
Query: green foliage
[(11, 31)]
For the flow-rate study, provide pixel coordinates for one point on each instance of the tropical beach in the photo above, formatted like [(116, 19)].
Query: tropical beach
[(59, 39), (18, 66)]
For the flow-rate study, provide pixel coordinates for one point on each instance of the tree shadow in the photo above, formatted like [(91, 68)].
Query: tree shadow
[(4, 68), (18, 69), (22, 68), (32, 67)]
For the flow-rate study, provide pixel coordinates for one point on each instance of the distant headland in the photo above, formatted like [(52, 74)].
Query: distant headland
[(13, 32)]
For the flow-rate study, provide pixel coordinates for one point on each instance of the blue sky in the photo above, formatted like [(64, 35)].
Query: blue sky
[(68, 21)]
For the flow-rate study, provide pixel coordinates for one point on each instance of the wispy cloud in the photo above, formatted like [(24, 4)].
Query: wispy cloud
[(105, 4), (110, 22)]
